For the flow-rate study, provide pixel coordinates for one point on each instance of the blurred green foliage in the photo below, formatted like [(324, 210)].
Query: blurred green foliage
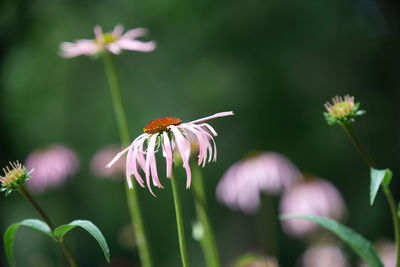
[(273, 62)]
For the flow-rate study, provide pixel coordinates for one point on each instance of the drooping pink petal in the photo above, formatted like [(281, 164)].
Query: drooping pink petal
[(153, 166), (209, 127), (150, 152), (136, 45), (168, 153), (202, 145), (129, 168), (117, 157), (138, 157), (217, 115), (183, 145)]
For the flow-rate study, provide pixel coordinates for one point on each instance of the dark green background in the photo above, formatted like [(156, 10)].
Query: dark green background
[(273, 62)]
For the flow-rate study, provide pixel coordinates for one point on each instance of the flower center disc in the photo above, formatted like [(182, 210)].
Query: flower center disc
[(107, 38), (160, 125), (342, 109)]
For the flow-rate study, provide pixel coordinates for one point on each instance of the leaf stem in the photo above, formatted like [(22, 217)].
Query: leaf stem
[(179, 222), (350, 132), (208, 243), (25, 193), (131, 194)]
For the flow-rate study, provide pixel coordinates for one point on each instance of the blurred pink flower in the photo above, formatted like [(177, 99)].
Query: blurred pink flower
[(325, 255), (53, 164), (242, 183), (102, 157), (387, 253), (168, 132), (114, 42), (312, 197)]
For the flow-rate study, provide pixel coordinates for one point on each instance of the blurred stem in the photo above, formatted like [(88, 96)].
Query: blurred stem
[(208, 243), (267, 225), (25, 193), (131, 194), (179, 221), (350, 132)]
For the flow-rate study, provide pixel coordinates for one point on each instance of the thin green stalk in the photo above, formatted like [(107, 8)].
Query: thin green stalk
[(350, 132), (25, 193), (131, 194), (208, 243), (179, 222)]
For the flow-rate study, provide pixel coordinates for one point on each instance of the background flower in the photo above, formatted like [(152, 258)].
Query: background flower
[(326, 255), (114, 42), (314, 196), (52, 165), (104, 156), (260, 172)]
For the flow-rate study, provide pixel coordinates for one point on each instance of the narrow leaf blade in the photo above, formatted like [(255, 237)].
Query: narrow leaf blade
[(378, 177), (9, 235), (89, 227), (357, 242)]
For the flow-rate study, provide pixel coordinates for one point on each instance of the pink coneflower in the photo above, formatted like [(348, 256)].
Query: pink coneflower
[(242, 183), (168, 132), (312, 197), (53, 164), (113, 42), (326, 255), (102, 157)]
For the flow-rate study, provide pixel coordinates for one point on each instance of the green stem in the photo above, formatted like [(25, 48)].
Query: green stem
[(350, 132), (117, 100), (179, 222), (25, 193), (131, 194), (208, 243)]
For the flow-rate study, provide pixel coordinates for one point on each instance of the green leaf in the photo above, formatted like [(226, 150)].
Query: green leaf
[(358, 243), (378, 177), (60, 231), (9, 235)]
